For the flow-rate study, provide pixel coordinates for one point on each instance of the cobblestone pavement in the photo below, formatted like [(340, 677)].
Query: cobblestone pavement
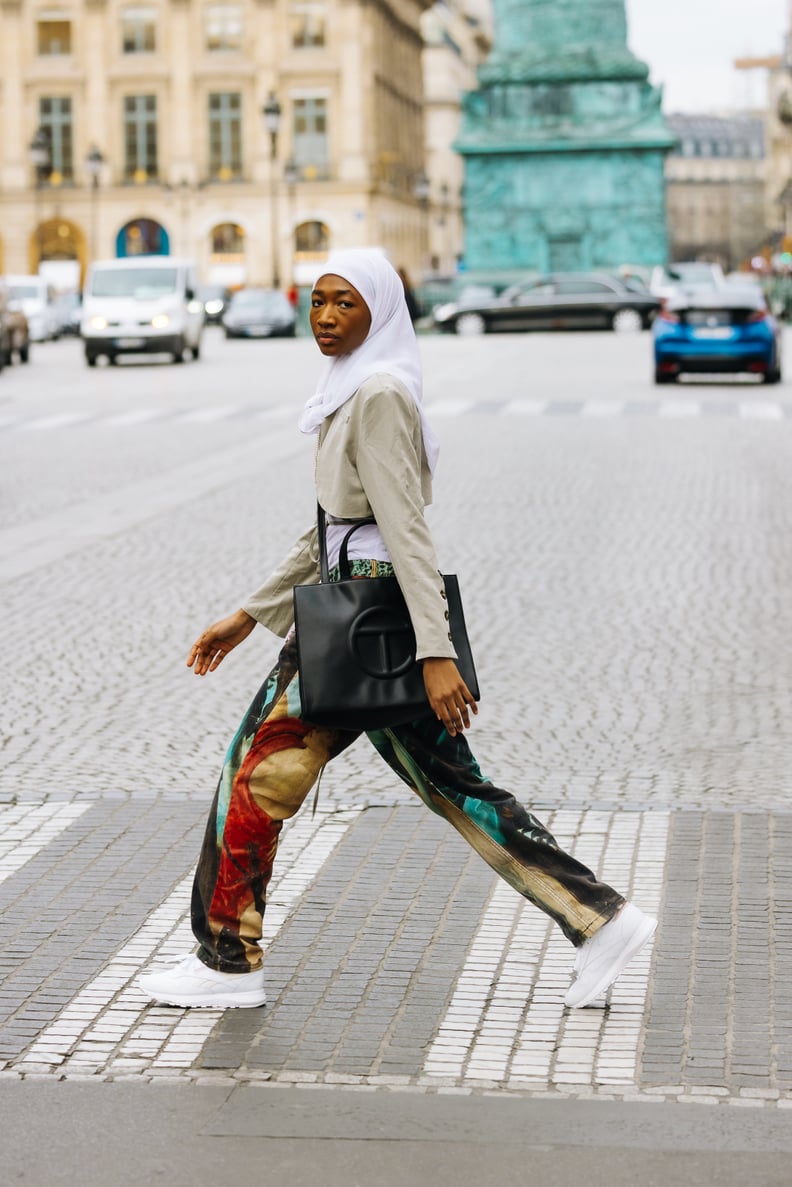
[(626, 571)]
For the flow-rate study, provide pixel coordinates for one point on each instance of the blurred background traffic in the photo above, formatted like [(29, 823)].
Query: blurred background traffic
[(520, 170)]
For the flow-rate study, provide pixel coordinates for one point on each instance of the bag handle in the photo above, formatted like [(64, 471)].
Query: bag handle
[(343, 557)]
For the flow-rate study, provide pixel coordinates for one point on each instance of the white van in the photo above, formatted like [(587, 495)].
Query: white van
[(36, 298), (142, 305)]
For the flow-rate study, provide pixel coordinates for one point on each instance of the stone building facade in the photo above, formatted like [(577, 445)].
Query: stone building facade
[(715, 187), (172, 93)]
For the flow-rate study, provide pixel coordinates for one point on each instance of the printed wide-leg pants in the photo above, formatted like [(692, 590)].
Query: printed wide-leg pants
[(271, 766)]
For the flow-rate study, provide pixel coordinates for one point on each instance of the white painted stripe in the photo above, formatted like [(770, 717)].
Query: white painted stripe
[(507, 1022), (277, 413), (25, 547), (208, 415), (449, 407), (138, 417), (526, 407), (27, 828), (112, 1024), (602, 408), (57, 421), (679, 408), (761, 410)]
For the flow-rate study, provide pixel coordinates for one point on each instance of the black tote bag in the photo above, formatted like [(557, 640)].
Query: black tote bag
[(356, 647)]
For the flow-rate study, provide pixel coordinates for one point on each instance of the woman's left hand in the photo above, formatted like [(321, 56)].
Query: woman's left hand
[(448, 695)]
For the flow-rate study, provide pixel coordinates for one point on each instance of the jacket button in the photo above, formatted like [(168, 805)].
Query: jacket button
[(449, 635), (442, 593), (446, 616)]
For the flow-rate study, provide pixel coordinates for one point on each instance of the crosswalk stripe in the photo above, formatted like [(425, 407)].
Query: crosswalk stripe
[(589, 409), (761, 410), (526, 407), (27, 828), (111, 1024), (449, 407), (679, 408), (602, 408), (506, 1022)]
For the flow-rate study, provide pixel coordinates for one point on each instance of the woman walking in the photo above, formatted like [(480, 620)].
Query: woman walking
[(375, 457)]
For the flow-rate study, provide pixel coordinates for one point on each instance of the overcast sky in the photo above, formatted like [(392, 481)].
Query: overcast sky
[(689, 46)]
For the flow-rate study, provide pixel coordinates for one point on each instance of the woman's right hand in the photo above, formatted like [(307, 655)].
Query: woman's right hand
[(209, 651)]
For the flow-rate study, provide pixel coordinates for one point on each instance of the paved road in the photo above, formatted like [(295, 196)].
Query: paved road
[(625, 559)]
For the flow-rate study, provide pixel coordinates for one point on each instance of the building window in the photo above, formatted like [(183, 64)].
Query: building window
[(307, 20), (54, 36), (309, 137), (139, 30), (140, 137), (312, 239), (223, 27), (225, 136), (228, 239), (55, 117)]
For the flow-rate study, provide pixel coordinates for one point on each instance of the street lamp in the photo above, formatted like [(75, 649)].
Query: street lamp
[(39, 150), (93, 167), (271, 112)]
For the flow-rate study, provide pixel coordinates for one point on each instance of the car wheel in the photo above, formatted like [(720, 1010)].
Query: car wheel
[(627, 321), (195, 351), (90, 360), (470, 325), (664, 376), (773, 376), (24, 353), (178, 354)]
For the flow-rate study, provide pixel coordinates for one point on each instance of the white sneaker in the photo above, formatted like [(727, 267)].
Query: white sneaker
[(192, 983), (602, 957)]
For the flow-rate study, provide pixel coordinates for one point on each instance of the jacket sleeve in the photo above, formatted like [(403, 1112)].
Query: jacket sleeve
[(388, 461), (272, 605)]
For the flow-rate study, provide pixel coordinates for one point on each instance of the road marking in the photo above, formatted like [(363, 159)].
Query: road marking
[(27, 828), (138, 417), (58, 421), (761, 410), (602, 408), (26, 547), (596, 409), (208, 415), (506, 1022), (449, 407), (111, 1025), (679, 408), (526, 407)]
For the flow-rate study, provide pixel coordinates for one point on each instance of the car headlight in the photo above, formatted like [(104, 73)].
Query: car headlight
[(98, 323), (160, 321), (213, 307)]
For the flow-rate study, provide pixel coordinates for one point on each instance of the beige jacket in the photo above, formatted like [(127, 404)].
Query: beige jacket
[(370, 461)]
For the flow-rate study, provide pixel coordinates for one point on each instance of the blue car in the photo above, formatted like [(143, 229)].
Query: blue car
[(728, 329)]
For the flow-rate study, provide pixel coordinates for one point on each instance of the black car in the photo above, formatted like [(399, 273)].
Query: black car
[(557, 301), (259, 313)]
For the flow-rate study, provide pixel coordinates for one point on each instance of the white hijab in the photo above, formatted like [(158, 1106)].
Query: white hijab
[(390, 345)]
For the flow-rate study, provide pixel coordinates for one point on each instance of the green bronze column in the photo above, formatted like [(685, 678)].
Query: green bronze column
[(564, 144)]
